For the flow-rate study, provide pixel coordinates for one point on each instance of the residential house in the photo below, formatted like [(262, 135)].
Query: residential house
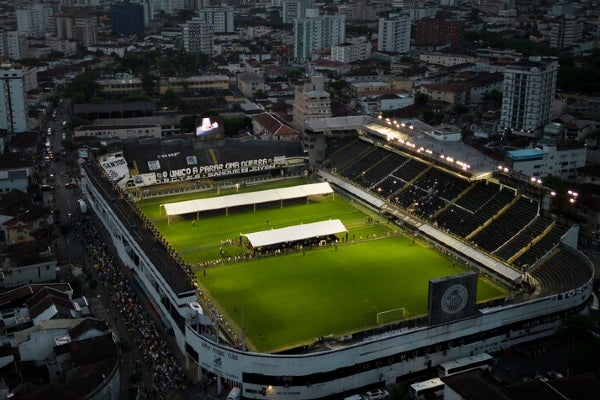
[(268, 127)]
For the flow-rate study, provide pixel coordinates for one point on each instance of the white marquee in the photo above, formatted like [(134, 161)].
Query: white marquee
[(295, 232), (241, 199)]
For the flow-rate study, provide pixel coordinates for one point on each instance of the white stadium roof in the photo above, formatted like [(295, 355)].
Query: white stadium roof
[(295, 232), (263, 196)]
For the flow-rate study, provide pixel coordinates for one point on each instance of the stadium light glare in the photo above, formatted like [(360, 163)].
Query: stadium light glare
[(553, 193)]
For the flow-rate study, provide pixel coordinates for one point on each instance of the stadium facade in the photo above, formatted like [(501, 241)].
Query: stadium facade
[(332, 367)]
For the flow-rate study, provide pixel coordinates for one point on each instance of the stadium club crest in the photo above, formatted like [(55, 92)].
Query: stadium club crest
[(217, 362), (455, 298), (452, 297)]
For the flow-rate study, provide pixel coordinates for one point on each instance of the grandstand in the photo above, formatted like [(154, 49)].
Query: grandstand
[(485, 222)]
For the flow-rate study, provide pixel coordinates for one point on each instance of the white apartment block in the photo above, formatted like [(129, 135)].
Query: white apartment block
[(311, 100), (198, 37), (564, 31), (556, 160), (317, 32), (294, 9), (527, 95), (82, 29), (13, 45), (171, 6), (14, 82), (221, 19), (394, 34), (348, 52), (445, 59), (35, 20)]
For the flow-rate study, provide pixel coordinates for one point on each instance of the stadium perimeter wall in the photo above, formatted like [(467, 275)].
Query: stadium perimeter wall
[(370, 361)]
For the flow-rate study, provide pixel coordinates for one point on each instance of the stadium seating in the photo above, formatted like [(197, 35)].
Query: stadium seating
[(356, 170), (346, 151), (474, 208), (560, 272), (506, 225), (537, 250), (524, 237), (484, 213)]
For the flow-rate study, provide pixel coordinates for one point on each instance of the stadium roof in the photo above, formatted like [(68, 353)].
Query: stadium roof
[(485, 260), (295, 232), (240, 199)]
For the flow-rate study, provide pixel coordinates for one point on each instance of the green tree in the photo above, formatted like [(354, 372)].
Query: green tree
[(493, 99), (421, 98), (77, 121), (132, 98), (149, 84), (83, 88), (233, 125), (188, 123), (460, 109), (170, 99)]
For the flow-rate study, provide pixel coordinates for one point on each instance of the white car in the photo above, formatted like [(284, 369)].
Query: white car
[(377, 394)]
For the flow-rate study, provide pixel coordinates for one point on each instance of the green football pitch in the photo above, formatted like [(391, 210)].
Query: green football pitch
[(287, 300)]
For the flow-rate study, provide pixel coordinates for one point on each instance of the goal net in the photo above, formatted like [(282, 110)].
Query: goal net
[(395, 314)]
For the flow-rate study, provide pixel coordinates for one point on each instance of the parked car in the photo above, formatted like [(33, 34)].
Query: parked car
[(377, 394)]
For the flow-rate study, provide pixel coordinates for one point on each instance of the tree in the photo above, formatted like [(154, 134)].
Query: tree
[(460, 109), (421, 98), (149, 83), (77, 121), (233, 125), (83, 88), (170, 99), (493, 99), (188, 123), (260, 94)]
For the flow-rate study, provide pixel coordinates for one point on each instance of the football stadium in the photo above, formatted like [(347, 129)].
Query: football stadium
[(371, 255)]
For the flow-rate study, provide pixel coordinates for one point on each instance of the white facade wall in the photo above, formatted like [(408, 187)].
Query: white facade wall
[(7, 184), (527, 95), (35, 20), (294, 9), (119, 132), (148, 276), (394, 34), (349, 52), (555, 161), (13, 108), (40, 344), (13, 45), (35, 273), (221, 19), (316, 33), (198, 37), (396, 103), (445, 59)]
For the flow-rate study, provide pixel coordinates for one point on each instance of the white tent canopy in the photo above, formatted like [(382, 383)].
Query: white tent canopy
[(295, 232), (241, 199)]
